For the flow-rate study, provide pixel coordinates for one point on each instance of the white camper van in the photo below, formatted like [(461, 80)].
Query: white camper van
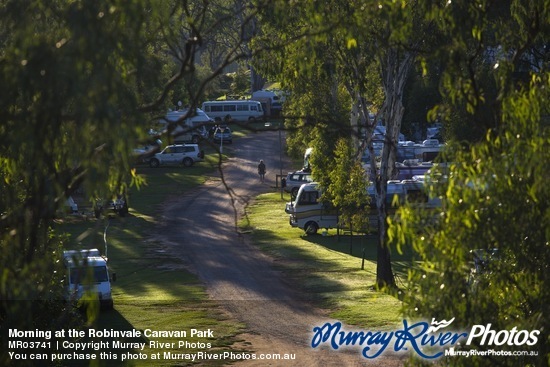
[(309, 214), (88, 274), (195, 126)]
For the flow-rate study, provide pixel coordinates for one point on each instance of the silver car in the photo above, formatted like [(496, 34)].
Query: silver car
[(294, 180), (186, 154)]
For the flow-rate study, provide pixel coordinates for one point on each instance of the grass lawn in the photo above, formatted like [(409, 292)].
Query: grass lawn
[(337, 270)]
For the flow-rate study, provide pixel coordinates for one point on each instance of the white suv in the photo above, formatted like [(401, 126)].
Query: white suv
[(294, 180), (186, 154)]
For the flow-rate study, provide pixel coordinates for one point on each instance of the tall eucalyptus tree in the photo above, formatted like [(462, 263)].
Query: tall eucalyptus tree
[(484, 254)]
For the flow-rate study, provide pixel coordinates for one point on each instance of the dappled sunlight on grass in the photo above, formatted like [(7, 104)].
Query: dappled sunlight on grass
[(322, 266), (179, 177), (146, 218)]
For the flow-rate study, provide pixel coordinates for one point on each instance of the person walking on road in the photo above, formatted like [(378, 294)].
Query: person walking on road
[(261, 170)]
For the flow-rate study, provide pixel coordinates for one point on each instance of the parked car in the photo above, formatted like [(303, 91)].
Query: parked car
[(144, 153), (294, 180), (186, 154), (223, 133), (117, 205)]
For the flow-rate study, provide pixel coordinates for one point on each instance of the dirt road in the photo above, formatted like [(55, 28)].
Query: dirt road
[(201, 230)]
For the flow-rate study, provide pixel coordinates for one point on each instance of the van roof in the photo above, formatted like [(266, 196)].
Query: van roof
[(92, 252), (181, 145), (232, 101), (90, 261), (92, 256), (199, 115)]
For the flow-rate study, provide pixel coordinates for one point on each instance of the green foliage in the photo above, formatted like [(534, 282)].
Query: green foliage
[(70, 88), (348, 191), (69, 112), (307, 61), (495, 88), (495, 196), (235, 85), (81, 83), (421, 95), (486, 49)]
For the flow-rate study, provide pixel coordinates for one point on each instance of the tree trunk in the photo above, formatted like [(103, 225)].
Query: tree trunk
[(384, 272), (355, 124), (395, 69)]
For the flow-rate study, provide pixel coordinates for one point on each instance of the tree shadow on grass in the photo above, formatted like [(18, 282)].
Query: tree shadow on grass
[(364, 247)]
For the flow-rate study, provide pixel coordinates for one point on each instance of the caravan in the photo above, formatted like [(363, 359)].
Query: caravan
[(307, 212), (195, 125), (271, 100)]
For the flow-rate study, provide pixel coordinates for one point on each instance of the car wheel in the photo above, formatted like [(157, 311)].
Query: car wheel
[(187, 162), (311, 228), (294, 193), (195, 139), (154, 163)]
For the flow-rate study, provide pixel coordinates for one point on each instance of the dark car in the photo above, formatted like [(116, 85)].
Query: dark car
[(117, 205), (223, 133)]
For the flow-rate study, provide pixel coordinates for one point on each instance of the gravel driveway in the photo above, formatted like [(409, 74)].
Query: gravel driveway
[(201, 231)]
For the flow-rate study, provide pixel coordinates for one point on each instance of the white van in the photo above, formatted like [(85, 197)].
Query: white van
[(88, 273), (195, 129), (310, 214), (239, 110), (272, 101)]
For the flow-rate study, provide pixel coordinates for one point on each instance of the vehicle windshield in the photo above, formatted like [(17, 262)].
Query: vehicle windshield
[(307, 197), (81, 274)]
